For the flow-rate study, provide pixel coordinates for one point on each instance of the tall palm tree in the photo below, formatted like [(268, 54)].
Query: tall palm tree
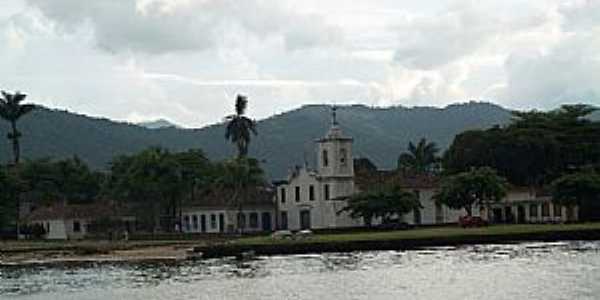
[(240, 127), (12, 110), (420, 158)]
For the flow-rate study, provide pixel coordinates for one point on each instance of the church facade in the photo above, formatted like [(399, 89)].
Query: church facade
[(311, 199)]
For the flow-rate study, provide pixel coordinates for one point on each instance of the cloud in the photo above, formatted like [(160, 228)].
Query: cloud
[(431, 41), (164, 26)]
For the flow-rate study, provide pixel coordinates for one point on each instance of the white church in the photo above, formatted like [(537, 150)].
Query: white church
[(310, 199)]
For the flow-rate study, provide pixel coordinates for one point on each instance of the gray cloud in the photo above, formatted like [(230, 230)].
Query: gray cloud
[(159, 26), (463, 29)]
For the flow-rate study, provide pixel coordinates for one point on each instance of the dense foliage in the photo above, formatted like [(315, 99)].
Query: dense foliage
[(579, 189), (419, 159), (534, 149), (476, 187), (239, 127), (385, 202)]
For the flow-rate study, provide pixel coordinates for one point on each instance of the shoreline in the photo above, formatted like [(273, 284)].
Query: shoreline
[(469, 236), (53, 253)]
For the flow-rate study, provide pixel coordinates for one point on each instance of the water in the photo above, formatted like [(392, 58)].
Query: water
[(568, 270)]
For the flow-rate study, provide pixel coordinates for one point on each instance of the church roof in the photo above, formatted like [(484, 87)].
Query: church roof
[(367, 174), (72, 211), (223, 198)]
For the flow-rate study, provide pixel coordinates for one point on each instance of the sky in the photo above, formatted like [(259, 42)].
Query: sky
[(185, 60)]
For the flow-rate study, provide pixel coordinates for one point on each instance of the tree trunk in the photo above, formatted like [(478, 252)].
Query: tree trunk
[(468, 209), (15, 142)]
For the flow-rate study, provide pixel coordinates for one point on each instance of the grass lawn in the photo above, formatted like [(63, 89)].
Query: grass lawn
[(424, 233)]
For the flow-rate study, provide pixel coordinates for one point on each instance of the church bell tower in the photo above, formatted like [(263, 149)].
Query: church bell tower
[(335, 152)]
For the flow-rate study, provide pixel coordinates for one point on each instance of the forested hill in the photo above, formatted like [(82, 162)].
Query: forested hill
[(284, 140)]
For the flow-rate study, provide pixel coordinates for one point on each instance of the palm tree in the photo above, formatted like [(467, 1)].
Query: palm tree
[(239, 127), (12, 110), (420, 158)]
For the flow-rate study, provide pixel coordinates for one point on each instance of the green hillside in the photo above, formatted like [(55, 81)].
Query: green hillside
[(284, 140)]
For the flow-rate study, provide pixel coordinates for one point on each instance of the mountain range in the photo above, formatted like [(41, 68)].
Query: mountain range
[(284, 140)]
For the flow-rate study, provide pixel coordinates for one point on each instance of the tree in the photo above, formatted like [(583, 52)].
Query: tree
[(579, 189), (419, 159), (150, 178), (240, 127), (536, 148), (382, 201), (480, 186), (12, 110), (240, 175)]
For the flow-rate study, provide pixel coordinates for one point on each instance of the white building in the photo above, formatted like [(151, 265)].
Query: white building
[(212, 213), (72, 221)]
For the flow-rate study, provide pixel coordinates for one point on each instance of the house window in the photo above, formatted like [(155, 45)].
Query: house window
[(186, 223), (326, 187), (241, 217), (213, 221), (325, 158), (343, 157), (283, 195), (195, 222), (533, 211), (311, 193), (76, 226), (253, 220), (545, 210), (557, 210), (283, 223), (297, 193)]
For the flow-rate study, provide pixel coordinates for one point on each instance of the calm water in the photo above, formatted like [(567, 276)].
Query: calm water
[(525, 271)]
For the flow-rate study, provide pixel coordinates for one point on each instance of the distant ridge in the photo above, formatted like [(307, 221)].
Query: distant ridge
[(284, 140), (158, 124)]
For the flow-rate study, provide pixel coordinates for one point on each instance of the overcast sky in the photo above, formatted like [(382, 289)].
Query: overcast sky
[(185, 60)]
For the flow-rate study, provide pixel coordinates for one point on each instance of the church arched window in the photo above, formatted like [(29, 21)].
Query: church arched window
[(343, 156), (325, 156)]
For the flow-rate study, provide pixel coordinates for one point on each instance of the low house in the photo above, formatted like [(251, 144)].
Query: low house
[(525, 205), (73, 221), (219, 212)]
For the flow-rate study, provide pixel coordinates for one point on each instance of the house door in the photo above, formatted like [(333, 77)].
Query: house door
[(417, 216), (221, 223), (203, 223), (520, 214), (508, 215), (266, 221), (305, 219), (497, 215)]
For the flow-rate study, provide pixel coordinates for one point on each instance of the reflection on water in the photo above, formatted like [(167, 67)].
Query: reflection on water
[(531, 270)]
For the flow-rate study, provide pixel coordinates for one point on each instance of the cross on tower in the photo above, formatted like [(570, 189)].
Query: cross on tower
[(334, 116)]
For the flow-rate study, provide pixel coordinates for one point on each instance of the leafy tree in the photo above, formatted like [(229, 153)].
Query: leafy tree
[(536, 148), (476, 187), (240, 127), (240, 175), (579, 189), (382, 202), (420, 158), (12, 110), (151, 178), (70, 180), (196, 170)]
